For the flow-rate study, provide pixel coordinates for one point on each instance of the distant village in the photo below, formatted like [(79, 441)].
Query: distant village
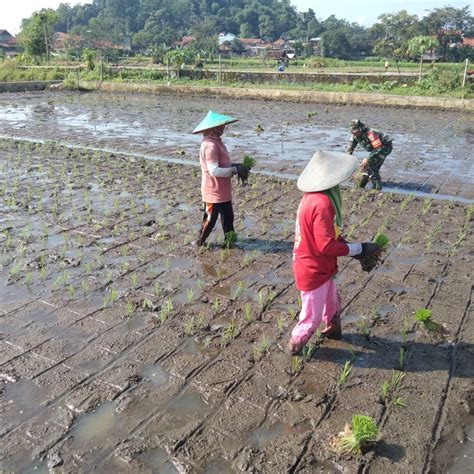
[(228, 45)]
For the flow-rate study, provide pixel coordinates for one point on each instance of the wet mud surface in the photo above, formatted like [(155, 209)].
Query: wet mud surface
[(432, 149), (124, 349)]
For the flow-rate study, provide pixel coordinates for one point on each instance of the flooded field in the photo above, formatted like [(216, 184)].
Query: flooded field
[(124, 349), (432, 149)]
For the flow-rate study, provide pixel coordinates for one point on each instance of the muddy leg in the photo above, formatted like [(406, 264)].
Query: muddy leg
[(211, 211)]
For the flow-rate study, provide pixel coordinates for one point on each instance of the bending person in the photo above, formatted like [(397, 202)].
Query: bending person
[(318, 244)]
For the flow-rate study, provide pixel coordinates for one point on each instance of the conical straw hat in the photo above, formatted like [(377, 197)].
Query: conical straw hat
[(325, 170), (213, 119)]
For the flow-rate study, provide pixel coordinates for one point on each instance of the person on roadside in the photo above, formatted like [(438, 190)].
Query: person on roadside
[(318, 244), (379, 146), (216, 185)]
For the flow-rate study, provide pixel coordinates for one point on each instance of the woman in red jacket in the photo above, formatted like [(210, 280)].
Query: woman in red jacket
[(318, 243)]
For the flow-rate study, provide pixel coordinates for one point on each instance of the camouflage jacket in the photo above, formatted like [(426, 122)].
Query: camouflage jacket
[(373, 141)]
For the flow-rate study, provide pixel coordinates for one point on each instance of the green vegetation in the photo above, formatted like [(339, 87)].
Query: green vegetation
[(381, 240), (424, 316), (249, 162), (345, 372), (364, 431)]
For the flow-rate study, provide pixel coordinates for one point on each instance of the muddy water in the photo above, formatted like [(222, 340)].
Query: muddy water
[(95, 381), (431, 148)]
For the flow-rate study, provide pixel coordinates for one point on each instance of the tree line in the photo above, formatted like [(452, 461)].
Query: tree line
[(156, 24)]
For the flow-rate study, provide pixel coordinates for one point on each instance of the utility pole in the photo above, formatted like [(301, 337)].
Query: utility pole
[(41, 17)]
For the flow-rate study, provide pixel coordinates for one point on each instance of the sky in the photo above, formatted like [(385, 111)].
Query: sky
[(364, 12)]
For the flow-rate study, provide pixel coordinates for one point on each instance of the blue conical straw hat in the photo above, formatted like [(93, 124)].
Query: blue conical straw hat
[(213, 119)]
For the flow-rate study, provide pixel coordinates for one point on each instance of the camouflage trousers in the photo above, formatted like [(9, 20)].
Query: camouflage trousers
[(376, 162)]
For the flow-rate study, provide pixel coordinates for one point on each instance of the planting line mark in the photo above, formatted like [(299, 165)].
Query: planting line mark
[(182, 162), (442, 407)]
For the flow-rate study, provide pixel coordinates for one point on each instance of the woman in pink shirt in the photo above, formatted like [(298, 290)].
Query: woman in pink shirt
[(216, 186), (318, 243)]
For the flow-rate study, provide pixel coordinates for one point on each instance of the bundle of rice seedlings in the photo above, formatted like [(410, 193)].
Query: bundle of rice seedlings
[(355, 439), (249, 162), (381, 240)]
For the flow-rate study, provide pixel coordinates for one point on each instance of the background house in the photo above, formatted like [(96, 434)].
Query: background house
[(9, 44)]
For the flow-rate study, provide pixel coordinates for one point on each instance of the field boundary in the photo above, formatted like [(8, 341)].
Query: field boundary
[(347, 98)]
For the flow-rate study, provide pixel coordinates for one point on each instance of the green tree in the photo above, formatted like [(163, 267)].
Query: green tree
[(448, 25), (177, 58), (419, 45), (391, 34), (36, 36), (334, 44)]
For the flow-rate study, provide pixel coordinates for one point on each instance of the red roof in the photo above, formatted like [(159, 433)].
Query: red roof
[(468, 42), (251, 41), (184, 41)]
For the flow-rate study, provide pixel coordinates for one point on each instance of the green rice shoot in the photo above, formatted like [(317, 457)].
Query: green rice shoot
[(249, 162), (381, 240), (364, 430), (424, 316)]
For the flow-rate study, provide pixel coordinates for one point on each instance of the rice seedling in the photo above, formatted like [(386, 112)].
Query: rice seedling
[(401, 358), (280, 321), (248, 312), (113, 295), (72, 291), (424, 316), (165, 311), (355, 439), (400, 402), (384, 395), (148, 304), (230, 332), (28, 277), (130, 309), (292, 313), (374, 313), (364, 328), (238, 290), (308, 351), (345, 372), (190, 293), (216, 304), (257, 352), (296, 365), (189, 326), (230, 239)]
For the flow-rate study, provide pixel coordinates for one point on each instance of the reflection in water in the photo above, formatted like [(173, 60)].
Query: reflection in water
[(156, 374), (464, 460), (94, 426), (158, 461)]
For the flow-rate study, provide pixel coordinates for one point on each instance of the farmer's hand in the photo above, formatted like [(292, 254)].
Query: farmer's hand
[(364, 163), (369, 249), (242, 172)]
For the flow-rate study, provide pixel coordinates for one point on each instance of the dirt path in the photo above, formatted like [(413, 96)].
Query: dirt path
[(123, 349)]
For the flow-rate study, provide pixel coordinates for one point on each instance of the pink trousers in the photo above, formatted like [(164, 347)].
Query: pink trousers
[(318, 306)]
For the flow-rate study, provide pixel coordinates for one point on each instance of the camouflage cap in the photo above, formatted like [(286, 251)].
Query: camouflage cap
[(356, 124)]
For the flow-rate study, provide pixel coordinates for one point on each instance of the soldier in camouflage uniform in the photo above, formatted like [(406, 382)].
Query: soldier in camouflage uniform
[(379, 146)]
